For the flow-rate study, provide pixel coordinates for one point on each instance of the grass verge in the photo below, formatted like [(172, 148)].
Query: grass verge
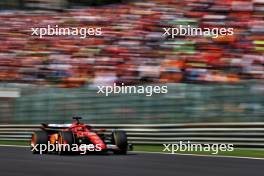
[(20, 143)]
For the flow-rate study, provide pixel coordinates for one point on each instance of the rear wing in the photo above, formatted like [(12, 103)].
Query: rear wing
[(55, 127)]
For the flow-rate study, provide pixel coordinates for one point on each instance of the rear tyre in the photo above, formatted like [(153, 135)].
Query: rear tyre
[(38, 138), (66, 137), (119, 138)]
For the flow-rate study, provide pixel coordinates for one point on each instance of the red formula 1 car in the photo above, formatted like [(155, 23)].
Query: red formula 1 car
[(77, 137)]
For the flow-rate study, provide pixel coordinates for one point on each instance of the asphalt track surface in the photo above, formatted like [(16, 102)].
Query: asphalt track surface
[(15, 161)]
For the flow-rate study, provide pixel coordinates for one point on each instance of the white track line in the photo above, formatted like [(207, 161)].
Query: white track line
[(184, 154), (211, 156), (22, 146)]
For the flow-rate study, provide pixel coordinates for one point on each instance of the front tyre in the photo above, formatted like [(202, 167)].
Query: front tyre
[(119, 138)]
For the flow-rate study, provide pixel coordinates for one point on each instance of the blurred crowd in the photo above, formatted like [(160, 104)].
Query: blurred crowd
[(131, 49)]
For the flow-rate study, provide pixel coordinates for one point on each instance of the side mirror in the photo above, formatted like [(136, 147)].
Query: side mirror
[(88, 127)]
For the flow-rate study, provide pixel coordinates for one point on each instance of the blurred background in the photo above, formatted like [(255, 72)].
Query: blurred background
[(209, 79)]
